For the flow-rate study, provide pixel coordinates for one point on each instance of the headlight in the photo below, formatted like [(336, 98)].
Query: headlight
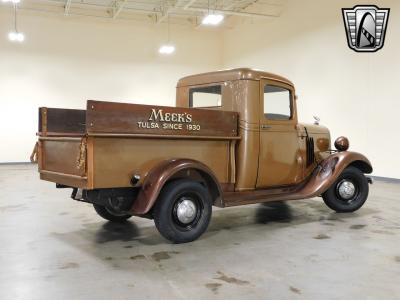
[(342, 143)]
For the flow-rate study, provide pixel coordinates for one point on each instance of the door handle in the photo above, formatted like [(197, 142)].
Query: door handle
[(265, 126)]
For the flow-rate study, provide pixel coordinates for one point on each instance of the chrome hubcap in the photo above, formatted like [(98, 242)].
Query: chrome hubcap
[(346, 189), (186, 211)]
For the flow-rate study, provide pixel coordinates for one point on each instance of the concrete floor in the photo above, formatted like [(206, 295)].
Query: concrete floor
[(52, 247)]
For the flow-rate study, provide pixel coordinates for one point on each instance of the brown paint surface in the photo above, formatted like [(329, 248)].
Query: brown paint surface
[(140, 156)]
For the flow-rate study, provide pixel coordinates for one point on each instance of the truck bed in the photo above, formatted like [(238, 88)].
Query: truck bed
[(106, 144)]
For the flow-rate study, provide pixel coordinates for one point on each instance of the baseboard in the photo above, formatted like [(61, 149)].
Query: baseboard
[(15, 163), (386, 179)]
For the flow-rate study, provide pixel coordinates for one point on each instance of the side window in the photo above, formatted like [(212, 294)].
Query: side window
[(208, 96), (277, 103)]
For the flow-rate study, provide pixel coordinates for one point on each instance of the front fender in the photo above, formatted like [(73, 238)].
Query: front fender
[(159, 175), (329, 170)]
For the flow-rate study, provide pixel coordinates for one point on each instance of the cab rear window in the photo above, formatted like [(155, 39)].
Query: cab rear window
[(208, 96)]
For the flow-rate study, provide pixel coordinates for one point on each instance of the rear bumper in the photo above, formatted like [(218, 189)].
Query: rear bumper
[(64, 179)]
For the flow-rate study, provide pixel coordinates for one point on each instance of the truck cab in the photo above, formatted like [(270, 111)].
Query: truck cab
[(274, 150)]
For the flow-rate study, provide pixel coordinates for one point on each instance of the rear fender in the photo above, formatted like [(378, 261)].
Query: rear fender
[(329, 170), (157, 177)]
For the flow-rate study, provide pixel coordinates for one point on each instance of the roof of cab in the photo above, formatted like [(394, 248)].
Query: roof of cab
[(229, 75)]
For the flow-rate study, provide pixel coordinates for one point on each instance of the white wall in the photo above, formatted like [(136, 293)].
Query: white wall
[(65, 61), (355, 94)]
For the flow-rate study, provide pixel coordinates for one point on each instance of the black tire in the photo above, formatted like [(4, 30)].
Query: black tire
[(166, 211), (333, 198), (109, 214)]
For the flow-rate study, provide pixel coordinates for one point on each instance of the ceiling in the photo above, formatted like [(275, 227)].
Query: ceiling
[(186, 12)]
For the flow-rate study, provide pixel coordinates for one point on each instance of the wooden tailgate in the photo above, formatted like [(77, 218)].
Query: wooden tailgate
[(62, 146)]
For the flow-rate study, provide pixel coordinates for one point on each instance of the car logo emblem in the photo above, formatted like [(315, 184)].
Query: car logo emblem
[(365, 27)]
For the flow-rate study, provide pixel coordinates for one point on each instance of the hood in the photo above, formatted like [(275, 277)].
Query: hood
[(312, 128)]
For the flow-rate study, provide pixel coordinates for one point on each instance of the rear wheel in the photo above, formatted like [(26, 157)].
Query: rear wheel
[(110, 214), (182, 211), (349, 192)]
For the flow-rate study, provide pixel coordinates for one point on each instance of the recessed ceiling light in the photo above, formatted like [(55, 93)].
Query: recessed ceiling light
[(12, 1), (212, 19), (16, 36), (167, 49)]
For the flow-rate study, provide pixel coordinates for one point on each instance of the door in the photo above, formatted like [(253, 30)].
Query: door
[(279, 156)]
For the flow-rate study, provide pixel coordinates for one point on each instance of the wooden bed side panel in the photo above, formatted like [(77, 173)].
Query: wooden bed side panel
[(57, 121), (116, 160), (111, 117)]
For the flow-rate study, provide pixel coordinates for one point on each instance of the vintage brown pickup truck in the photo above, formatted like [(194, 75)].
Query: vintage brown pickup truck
[(233, 139)]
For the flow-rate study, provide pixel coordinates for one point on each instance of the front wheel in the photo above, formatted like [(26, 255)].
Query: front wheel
[(349, 192), (182, 211), (110, 214)]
